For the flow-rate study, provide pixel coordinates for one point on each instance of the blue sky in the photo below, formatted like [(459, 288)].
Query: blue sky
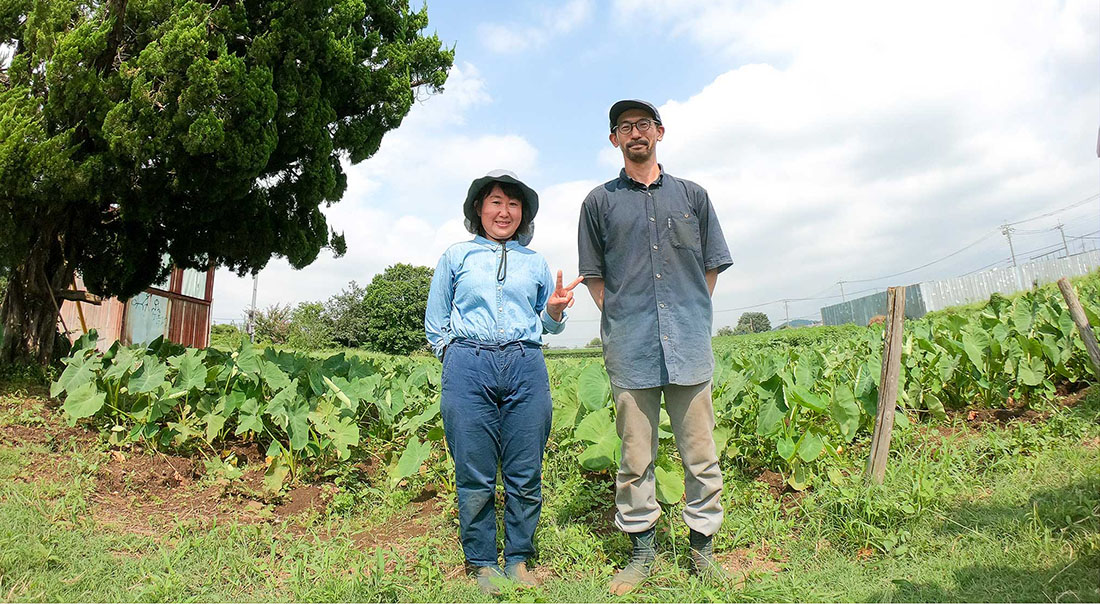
[(839, 141)]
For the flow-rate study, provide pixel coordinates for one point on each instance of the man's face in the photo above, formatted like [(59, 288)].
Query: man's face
[(637, 146)]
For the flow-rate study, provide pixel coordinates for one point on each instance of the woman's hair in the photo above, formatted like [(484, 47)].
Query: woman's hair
[(510, 190)]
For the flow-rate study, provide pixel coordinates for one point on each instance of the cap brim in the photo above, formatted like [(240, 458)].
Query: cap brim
[(626, 105)]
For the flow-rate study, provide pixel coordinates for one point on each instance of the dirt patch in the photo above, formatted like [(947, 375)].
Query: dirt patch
[(777, 485), (1091, 443), (51, 436), (243, 453), (977, 418), (302, 499), (409, 524), (148, 474), (743, 562)]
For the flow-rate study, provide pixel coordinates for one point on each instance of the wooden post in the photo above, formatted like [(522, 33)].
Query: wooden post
[(1078, 315), (888, 388)]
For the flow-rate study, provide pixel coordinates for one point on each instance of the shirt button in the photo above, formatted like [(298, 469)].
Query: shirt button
[(654, 247), (687, 216), (664, 338), (652, 219), (663, 305), (658, 275), (502, 331), (500, 308)]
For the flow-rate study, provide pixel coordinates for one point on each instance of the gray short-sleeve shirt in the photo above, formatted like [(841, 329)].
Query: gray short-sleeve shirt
[(652, 247)]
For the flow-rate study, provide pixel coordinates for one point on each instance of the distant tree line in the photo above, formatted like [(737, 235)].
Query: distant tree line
[(750, 322), (385, 316)]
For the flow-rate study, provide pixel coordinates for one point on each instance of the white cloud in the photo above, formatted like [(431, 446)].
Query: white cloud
[(868, 137), (550, 22)]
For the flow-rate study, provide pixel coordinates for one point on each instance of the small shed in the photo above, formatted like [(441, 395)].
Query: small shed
[(178, 309)]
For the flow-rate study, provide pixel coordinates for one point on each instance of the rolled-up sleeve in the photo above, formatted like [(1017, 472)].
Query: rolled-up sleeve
[(437, 317), (590, 240), (716, 255)]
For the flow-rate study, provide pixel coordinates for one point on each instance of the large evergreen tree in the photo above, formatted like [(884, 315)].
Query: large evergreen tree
[(211, 131)]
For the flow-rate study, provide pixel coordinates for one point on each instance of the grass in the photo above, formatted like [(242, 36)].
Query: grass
[(994, 513)]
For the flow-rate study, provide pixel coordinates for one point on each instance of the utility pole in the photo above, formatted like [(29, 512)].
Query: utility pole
[(252, 310), (1007, 230), (787, 312), (841, 284), (1065, 245)]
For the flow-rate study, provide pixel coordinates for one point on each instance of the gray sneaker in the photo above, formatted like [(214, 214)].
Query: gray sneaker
[(702, 559), (640, 565), (517, 572), (490, 579)]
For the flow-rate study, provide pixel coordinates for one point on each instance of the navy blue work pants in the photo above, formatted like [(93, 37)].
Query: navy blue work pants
[(496, 413)]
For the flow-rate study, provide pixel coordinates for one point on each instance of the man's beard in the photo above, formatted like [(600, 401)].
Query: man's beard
[(639, 155)]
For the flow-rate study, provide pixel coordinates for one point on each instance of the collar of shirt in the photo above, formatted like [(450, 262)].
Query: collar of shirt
[(630, 182), (511, 244)]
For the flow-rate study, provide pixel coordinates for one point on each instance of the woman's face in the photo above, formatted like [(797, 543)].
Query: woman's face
[(500, 215)]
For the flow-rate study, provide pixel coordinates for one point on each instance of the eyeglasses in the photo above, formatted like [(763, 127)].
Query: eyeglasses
[(643, 125)]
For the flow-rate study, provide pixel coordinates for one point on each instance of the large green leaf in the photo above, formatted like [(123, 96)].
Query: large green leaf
[(150, 377), (192, 372), (77, 373), (593, 388), (595, 426), (250, 418), (721, 439), (290, 411), (602, 455), (811, 446), (975, 344), (804, 397), (785, 446), (769, 418), (1031, 371), (670, 485), (934, 405), (83, 401), (414, 455), (844, 411), (123, 363), (247, 360), (273, 376), (1022, 315), (214, 423)]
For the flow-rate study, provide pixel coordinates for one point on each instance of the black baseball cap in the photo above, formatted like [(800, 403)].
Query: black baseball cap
[(625, 105)]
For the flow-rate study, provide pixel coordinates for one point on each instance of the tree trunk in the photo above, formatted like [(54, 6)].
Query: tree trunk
[(29, 313)]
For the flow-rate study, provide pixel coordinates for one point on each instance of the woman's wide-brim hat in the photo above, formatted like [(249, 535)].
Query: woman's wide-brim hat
[(530, 201)]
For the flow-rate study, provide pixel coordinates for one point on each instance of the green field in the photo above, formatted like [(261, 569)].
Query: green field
[(976, 510), (164, 473)]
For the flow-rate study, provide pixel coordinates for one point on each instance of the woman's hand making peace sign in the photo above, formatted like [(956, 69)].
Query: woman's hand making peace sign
[(561, 298)]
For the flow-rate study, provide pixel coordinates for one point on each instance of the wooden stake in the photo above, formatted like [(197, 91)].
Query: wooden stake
[(888, 389), (1077, 313)]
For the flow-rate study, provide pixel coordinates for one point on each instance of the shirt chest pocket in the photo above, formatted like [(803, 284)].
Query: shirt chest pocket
[(684, 231)]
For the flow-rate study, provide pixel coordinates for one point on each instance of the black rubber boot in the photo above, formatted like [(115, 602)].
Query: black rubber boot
[(702, 558), (640, 565)]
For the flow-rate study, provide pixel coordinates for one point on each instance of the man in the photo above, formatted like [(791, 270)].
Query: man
[(650, 250)]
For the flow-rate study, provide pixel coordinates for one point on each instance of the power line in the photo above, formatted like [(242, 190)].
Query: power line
[(952, 254), (1058, 211)]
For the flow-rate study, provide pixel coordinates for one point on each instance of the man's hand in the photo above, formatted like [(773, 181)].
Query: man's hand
[(595, 287), (562, 298)]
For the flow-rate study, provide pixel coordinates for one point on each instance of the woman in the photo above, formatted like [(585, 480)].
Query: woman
[(491, 300)]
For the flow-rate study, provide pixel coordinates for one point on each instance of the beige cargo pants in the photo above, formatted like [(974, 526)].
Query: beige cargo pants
[(691, 412)]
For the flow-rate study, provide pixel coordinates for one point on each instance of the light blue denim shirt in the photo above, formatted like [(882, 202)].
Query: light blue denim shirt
[(467, 301)]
